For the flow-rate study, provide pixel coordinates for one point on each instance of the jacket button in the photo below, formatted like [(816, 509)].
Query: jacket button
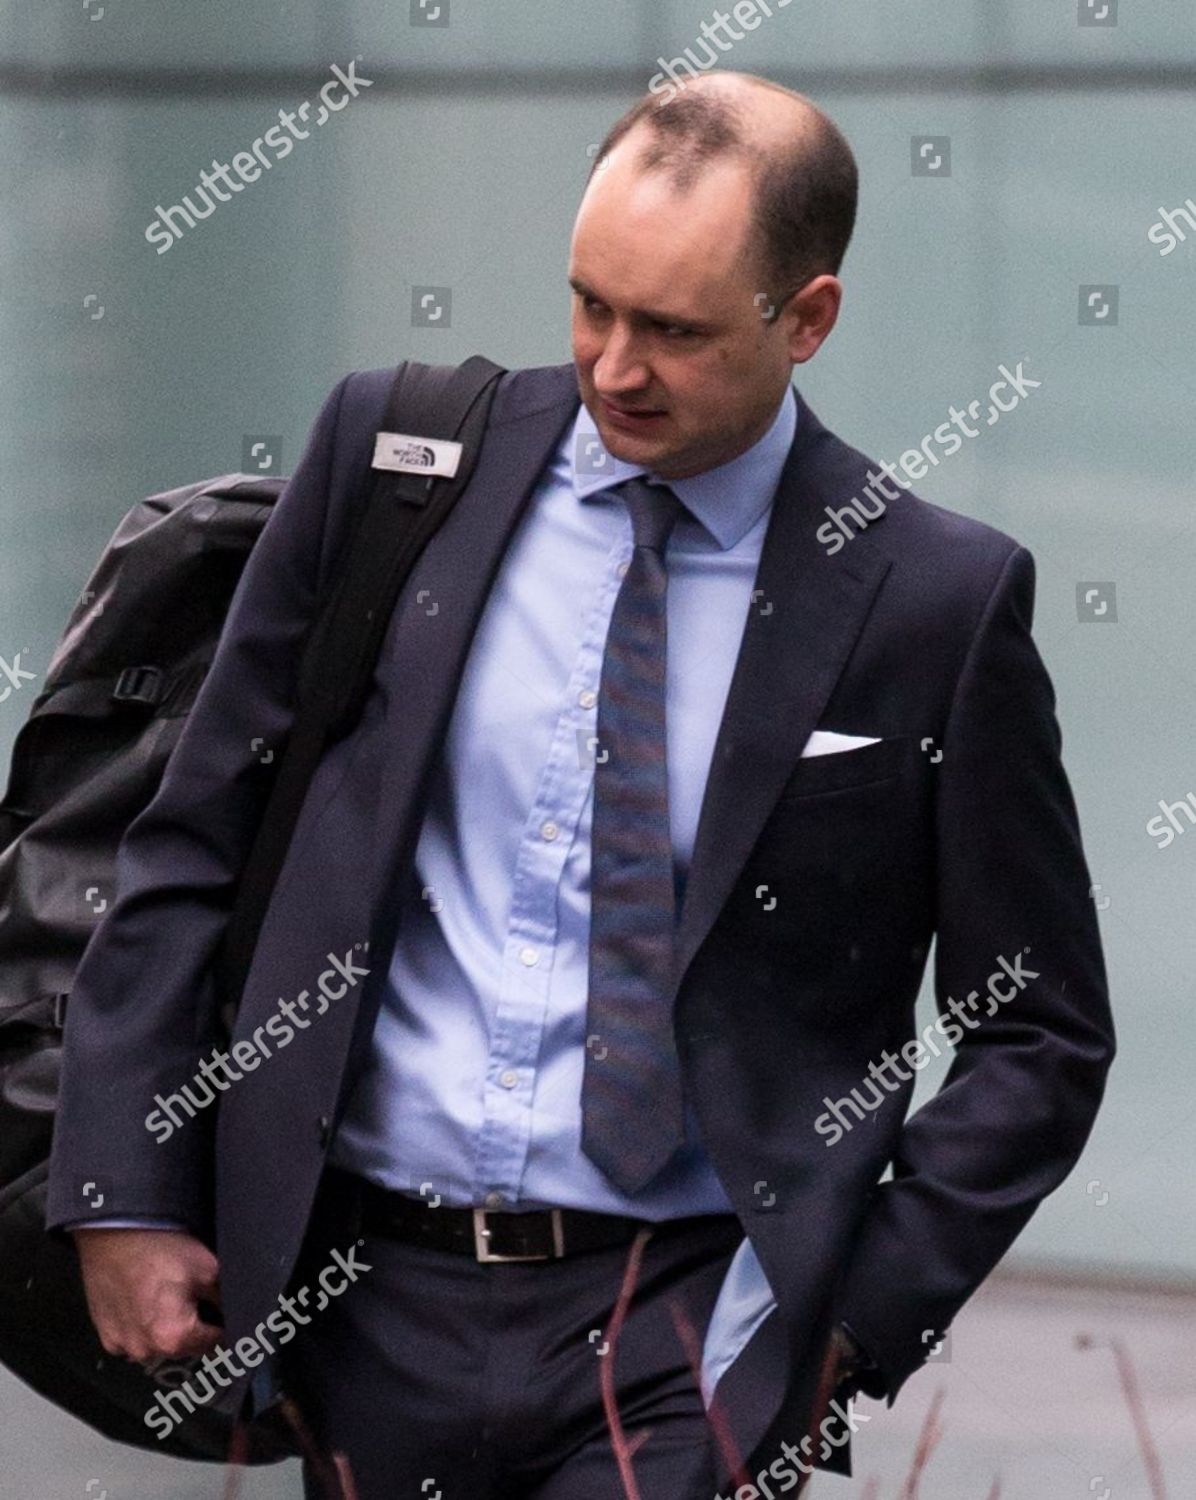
[(323, 1131)]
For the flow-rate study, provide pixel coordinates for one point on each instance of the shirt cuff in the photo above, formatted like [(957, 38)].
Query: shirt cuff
[(125, 1224)]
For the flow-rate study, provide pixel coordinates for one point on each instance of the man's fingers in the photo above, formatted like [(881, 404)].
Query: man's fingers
[(178, 1331), (198, 1339), (191, 1339), (207, 1288)]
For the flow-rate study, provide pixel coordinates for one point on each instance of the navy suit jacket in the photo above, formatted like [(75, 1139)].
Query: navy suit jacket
[(958, 825)]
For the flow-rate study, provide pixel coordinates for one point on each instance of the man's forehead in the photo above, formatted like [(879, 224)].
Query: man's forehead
[(658, 236), (649, 201)]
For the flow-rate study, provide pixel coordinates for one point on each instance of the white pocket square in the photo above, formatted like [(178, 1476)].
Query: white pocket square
[(827, 742)]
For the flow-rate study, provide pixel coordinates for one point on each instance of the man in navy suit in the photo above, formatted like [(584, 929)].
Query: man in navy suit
[(550, 1141)]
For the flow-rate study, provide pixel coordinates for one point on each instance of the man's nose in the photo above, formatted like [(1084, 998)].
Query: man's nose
[(620, 367)]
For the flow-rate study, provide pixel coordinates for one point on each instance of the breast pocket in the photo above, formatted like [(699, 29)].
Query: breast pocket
[(838, 882), (845, 769)]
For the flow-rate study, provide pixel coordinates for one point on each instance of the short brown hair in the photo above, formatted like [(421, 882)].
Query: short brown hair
[(805, 191)]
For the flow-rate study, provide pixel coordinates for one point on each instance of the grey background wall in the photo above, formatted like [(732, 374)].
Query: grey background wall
[(461, 166)]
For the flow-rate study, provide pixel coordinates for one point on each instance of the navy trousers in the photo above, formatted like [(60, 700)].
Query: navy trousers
[(443, 1378)]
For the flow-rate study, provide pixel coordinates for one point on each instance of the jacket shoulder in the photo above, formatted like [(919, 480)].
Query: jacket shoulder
[(520, 393)]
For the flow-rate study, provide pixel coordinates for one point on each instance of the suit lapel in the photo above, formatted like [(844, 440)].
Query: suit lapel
[(808, 608)]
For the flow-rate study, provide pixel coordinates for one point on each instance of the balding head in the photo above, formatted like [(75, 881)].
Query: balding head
[(802, 172)]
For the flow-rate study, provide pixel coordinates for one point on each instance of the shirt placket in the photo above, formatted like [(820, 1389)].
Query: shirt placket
[(525, 997)]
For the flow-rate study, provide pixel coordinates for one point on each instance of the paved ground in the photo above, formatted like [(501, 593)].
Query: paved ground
[(1019, 1400)]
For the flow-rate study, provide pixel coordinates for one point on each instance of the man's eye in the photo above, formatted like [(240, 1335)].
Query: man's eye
[(675, 332)]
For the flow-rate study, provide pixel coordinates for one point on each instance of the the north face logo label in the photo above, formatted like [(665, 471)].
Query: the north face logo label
[(415, 454)]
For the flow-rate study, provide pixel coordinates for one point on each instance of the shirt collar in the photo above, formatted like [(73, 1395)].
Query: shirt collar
[(728, 500)]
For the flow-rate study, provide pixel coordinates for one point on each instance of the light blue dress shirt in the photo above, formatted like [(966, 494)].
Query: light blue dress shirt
[(472, 1089)]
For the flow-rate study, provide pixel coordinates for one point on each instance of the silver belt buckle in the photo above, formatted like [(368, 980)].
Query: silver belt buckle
[(481, 1239)]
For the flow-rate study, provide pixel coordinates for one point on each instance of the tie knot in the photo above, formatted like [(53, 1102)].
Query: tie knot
[(654, 510)]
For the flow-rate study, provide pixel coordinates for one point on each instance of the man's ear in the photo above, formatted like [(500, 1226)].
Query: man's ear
[(810, 314)]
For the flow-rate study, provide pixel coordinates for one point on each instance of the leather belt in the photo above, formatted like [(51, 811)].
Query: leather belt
[(492, 1234)]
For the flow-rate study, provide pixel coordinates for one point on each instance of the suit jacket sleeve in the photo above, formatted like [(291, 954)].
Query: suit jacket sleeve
[(145, 996), (1012, 1116)]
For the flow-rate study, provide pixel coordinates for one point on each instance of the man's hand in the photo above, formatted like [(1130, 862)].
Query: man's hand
[(852, 1360), (143, 1289)]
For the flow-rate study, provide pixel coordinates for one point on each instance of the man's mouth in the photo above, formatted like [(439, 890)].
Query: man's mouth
[(624, 416)]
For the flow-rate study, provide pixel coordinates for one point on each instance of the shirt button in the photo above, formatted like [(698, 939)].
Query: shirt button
[(587, 699), (622, 569), (549, 831), (493, 1200), (529, 957), (509, 1078)]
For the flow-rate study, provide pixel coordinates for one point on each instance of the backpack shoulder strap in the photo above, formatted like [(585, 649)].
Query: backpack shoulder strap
[(444, 402), (448, 403)]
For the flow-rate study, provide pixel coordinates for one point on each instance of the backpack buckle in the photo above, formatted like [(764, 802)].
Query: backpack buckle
[(139, 685)]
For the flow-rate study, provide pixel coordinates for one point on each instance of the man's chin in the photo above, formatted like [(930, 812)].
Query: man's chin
[(632, 446)]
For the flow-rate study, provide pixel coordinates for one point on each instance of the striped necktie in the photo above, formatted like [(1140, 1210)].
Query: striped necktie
[(632, 1113)]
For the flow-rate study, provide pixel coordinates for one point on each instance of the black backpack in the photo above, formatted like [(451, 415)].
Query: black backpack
[(90, 757)]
